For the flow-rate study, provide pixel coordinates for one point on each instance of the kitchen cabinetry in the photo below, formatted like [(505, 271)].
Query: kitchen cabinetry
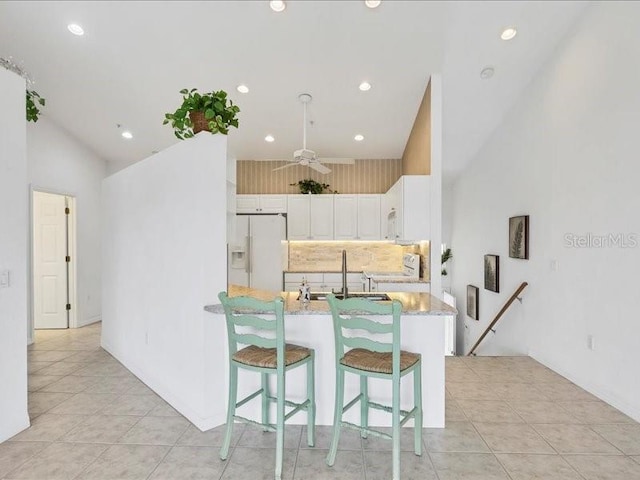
[(261, 203), (408, 204), (357, 217), (310, 217), (323, 281)]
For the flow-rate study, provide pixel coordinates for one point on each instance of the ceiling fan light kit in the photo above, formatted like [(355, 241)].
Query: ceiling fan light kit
[(307, 157)]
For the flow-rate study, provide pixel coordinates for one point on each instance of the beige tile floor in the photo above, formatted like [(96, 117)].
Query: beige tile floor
[(507, 418)]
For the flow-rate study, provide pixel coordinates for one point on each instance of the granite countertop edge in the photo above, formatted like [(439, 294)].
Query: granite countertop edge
[(415, 304)]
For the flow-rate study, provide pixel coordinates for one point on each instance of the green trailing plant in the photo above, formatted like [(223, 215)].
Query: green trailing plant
[(33, 100), (219, 112), (444, 258), (309, 185)]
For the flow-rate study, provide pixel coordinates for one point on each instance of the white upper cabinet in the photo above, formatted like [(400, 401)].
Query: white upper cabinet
[(369, 217), (346, 217), (261, 203), (357, 217), (408, 209), (310, 217)]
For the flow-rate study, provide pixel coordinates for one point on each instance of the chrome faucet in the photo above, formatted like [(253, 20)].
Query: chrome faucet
[(344, 274)]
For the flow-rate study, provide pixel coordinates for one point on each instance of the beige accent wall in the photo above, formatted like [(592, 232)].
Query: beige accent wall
[(416, 159), (365, 176), (373, 256)]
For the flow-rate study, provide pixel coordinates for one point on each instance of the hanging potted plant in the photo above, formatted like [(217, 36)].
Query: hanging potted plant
[(212, 112), (33, 100)]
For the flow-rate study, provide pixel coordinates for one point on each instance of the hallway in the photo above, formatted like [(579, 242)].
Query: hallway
[(507, 418)]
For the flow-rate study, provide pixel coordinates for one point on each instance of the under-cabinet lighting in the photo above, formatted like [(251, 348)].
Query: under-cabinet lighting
[(373, 3)]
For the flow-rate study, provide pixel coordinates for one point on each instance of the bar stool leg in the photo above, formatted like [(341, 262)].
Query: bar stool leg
[(396, 427), (337, 417), (417, 398), (364, 405), (280, 425), (265, 401), (231, 411), (311, 409)]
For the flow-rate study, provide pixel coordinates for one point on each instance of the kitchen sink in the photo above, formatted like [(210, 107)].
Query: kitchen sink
[(375, 297)]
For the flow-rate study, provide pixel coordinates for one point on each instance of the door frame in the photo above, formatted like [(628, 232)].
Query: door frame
[(71, 233)]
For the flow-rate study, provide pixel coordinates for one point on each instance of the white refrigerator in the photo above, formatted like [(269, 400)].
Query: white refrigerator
[(258, 254)]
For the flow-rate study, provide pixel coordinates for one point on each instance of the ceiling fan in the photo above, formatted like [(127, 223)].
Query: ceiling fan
[(307, 157)]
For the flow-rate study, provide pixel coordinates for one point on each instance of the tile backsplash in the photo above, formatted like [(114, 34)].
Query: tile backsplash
[(373, 256)]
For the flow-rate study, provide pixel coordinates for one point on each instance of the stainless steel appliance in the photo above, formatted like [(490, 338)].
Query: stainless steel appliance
[(257, 254)]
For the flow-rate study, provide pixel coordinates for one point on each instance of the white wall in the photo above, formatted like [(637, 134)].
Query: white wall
[(58, 163), (13, 255), (566, 155), (164, 259)]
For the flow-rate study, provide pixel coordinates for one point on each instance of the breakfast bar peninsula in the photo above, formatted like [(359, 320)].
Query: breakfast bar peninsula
[(311, 325)]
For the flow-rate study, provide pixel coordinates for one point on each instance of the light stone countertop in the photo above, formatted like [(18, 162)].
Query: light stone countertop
[(413, 303)]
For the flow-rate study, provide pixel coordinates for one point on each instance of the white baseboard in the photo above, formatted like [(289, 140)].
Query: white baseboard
[(89, 321), (599, 391)]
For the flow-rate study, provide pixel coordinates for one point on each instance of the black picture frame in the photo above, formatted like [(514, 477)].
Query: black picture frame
[(492, 273), (519, 237), (473, 303)]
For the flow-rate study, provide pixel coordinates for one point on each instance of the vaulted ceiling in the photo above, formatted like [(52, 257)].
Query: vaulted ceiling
[(135, 56)]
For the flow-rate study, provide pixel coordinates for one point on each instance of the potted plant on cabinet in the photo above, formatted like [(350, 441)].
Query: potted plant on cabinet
[(212, 112), (309, 185)]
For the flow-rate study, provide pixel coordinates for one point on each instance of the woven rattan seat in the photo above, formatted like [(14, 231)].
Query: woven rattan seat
[(266, 357), (380, 362)]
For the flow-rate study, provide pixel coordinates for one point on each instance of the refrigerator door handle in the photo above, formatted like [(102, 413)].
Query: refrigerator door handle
[(247, 261), (250, 254)]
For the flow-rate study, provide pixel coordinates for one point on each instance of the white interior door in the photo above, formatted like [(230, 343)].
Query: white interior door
[(50, 266)]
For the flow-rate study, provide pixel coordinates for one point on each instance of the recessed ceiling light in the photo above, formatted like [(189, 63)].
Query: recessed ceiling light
[(487, 72), (127, 134), (372, 3), (75, 29), (277, 5), (508, 33), (243, 89), (358, 138), (269, 138), (365, 86)]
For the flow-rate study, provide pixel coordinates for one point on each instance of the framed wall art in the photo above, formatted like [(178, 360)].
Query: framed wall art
[(519, 237), (472, 301), (492, 273)]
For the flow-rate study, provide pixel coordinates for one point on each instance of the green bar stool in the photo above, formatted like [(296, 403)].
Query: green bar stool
[(266, 352), (372, 358)]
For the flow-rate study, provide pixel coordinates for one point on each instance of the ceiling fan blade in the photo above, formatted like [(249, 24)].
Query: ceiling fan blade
[(318, 167), (285, 166), (344, 161)]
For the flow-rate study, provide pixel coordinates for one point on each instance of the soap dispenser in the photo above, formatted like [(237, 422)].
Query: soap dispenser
[(305, 291)]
